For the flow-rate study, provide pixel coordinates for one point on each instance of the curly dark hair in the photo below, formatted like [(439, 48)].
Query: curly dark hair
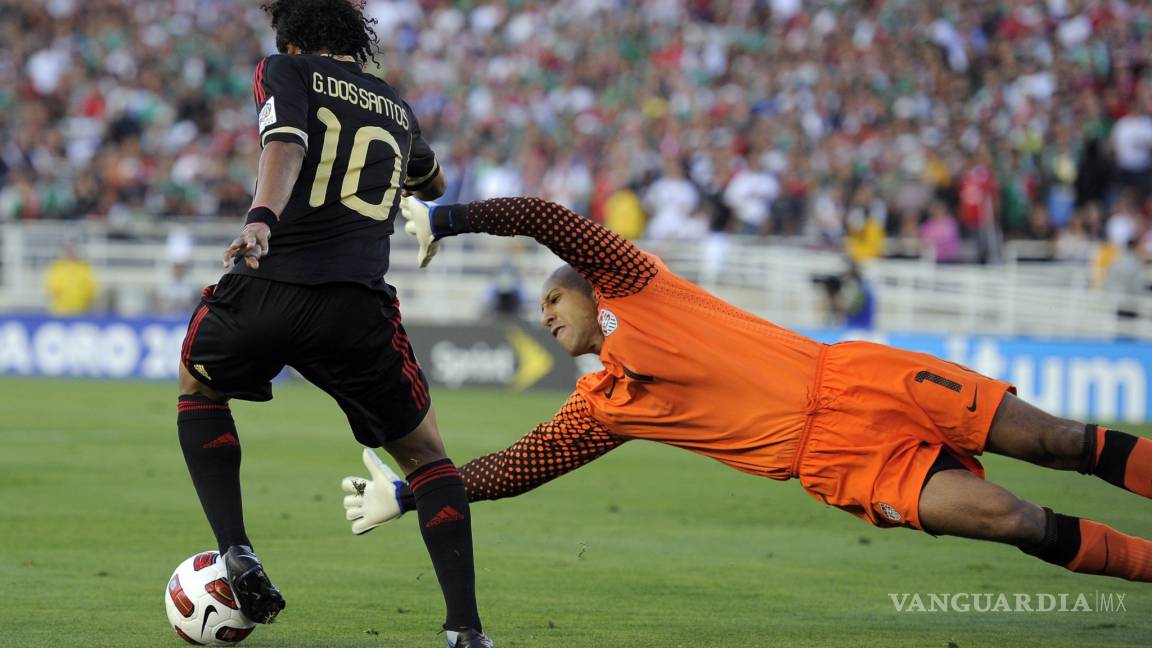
[(333, 26)]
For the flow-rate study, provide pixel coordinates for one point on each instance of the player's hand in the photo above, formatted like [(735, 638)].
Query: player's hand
[(418, 215), (250, 245), (372, 502)]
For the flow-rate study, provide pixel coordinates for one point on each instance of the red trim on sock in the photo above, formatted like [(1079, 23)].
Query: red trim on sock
[(193, 406), (446, 472), (440, 472)]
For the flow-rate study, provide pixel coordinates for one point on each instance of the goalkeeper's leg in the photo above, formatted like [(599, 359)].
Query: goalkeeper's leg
[(445, 520), (959, 503), (1026, 432)]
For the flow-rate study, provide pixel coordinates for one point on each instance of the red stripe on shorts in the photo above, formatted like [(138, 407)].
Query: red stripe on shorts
[(191, 335), (410, 368)]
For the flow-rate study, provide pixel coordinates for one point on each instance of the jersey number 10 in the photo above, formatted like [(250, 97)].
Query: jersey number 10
[(350, 185)]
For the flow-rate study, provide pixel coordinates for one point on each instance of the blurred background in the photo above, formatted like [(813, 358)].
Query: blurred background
[(968, 178)]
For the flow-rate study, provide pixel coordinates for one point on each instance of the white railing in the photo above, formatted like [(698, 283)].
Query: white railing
[(771, 279)]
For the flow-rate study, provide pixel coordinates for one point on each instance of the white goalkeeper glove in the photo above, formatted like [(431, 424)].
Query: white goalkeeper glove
[(418, 215), (374, 501)]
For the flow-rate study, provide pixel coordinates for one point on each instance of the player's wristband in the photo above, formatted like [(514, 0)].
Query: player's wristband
[(261, 215), (449, 220)]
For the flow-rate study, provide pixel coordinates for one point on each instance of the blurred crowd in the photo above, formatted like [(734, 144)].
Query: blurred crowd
[(126, 111), (947, 127)]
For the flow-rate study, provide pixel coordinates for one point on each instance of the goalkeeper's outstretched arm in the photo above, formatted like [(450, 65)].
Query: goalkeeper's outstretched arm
[(614, 267), (571, 439)]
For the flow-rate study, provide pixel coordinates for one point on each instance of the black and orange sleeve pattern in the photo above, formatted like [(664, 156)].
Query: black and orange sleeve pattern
[(571, 439), (615, 267)]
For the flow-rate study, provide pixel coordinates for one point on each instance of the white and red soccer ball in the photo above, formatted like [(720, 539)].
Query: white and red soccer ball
[(200, 603)]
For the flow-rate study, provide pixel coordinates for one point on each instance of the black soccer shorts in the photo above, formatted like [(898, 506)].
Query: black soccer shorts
[(344, 338)]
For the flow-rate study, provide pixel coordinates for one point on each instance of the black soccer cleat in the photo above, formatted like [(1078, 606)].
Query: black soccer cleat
[(469, 638), (259, 599)]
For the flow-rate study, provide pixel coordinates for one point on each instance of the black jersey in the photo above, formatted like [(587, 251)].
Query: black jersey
[(363, 147)]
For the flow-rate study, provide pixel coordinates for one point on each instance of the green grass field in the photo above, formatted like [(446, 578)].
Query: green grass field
[(649, 546)]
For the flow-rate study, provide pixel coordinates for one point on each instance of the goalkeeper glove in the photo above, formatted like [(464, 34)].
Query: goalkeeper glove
[(418, 215), (372, 502)]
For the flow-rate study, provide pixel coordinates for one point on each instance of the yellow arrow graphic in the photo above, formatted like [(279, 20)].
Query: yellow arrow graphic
[(533, 360)]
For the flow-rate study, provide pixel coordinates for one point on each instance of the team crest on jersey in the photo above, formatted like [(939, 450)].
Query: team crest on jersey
[(607, 321), (268, 113), (889, 511)]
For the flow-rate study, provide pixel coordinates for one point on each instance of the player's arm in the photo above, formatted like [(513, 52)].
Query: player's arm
[(570, 440), (613, 266), (425, 179), (280, 164), (554, 448), (281, 98)]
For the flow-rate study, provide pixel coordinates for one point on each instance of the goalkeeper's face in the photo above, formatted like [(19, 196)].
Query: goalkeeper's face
[(569, 314)]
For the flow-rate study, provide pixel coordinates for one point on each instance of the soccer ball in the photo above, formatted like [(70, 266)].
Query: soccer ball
[(200, 604)]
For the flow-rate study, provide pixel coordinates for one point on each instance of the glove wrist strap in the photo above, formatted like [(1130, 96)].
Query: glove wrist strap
[(261, 215), (449, 220), (405, 498)]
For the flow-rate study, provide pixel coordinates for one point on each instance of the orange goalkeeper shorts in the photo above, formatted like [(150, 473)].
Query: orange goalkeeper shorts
[(880, 420)]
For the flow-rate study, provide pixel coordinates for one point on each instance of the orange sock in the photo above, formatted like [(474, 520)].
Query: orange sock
[(1138, 472), (1106, 551), (1118, 458)]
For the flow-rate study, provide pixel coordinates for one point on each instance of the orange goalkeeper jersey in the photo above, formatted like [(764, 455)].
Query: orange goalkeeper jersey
[(681, 366), (685, 368)]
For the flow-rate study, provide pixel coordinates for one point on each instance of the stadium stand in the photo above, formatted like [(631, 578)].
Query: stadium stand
[(790, 131)]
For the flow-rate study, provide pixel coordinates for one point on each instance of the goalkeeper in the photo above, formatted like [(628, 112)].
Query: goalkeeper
[(887, 435)]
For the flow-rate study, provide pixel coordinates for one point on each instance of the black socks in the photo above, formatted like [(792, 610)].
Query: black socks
[(445, 523), (212, 452)]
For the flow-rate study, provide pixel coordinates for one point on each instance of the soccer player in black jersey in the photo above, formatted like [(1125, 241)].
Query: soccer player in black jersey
[(305, 287)]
